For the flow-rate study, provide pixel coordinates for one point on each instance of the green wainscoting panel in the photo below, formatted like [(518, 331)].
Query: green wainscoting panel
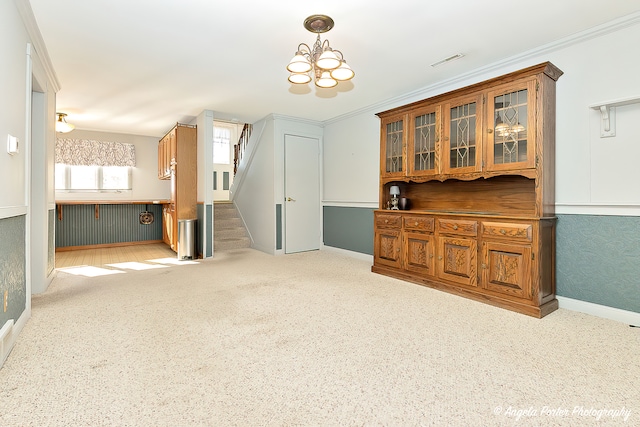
[(349, 228), (598, 260), (278, 226), (118, 223), (51, 243), (209, 240), (13, 267)]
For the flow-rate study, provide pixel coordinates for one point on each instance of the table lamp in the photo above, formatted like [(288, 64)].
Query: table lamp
[(395, 192)]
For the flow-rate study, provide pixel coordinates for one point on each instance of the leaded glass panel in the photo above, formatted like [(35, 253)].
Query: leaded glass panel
[(510, 128), (463, 136), (394, 147), (424, 148)]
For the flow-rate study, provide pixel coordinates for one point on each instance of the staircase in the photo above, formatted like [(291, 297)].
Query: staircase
[(228, 230)]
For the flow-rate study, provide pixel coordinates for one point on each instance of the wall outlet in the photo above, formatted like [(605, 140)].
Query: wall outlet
[(6, 298)]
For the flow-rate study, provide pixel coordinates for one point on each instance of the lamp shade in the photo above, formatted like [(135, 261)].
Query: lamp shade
[(325, 80), (61, 124), (328, 60), (299, 78), (394, 190), (299, 64), (343, 72)]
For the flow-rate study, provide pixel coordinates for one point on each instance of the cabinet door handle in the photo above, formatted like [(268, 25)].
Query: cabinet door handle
[(289, 199)]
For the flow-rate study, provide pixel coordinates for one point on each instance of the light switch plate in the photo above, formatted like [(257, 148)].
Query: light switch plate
[(12, 145)]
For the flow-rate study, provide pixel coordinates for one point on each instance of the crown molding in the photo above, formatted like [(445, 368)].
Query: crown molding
[(424, 92), (29, 20)]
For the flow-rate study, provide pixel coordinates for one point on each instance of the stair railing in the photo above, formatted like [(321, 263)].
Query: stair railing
[(240, 147)]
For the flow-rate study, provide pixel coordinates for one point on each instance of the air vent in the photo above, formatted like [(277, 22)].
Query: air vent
[(449, 59)]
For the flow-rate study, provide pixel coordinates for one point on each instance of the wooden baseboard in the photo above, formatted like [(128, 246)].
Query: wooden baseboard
[(106, 245)]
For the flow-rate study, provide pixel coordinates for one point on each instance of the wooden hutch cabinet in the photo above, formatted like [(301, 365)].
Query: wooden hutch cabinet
[(478, 167), (177, 162)]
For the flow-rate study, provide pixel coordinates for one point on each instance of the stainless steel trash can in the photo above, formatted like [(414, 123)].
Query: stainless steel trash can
[(186, 238)]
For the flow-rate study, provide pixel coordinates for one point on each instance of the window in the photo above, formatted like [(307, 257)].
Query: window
[(92, 178), (221, 145), (88, 165)]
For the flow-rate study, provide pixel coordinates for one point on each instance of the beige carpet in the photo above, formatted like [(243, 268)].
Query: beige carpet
[(310, 339)]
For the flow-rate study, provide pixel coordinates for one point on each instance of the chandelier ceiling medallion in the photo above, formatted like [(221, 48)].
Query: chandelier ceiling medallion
[(327, 65)]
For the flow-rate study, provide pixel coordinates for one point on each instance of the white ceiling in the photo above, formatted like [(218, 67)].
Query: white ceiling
[(140, 66)]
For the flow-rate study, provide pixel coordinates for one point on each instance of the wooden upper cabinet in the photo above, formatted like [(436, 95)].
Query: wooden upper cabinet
[(393, 147), (501, 125), (423, 148), (511, 130), (462, 148)]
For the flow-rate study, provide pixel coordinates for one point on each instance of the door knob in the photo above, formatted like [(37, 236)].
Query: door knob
[(289, 199)]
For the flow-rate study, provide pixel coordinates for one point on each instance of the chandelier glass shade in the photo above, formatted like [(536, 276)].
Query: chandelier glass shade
[(327, 65), (61, 123)]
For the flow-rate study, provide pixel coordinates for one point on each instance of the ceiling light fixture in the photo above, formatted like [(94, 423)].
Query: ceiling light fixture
[(327, 65), (61, 124)]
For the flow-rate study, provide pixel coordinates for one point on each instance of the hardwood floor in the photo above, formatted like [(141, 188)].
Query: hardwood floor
[(102, 256)]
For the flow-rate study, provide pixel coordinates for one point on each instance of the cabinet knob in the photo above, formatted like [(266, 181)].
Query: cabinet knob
[(489, 130), (439, 257), (386, 221), (455, 226), (484, 265), (416, 224), (430, 255), (503, 231)]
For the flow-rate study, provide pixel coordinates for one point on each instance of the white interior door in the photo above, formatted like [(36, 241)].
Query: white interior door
[(302, 194)]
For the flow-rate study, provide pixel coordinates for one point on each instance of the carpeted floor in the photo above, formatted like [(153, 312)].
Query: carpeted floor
[(309, 339)]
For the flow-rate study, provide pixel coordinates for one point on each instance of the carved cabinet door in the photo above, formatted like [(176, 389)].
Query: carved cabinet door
[(506, 268), (420, 253), (457, 260), (387, 248)]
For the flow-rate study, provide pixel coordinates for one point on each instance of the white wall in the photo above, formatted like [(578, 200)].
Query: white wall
[(145, 182), (25, 68), (351, 161), (13, 80), (253, 191), (593, 174)]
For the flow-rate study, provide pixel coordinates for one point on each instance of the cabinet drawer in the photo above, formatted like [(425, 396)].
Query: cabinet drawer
[(459, 227), (511, 231), (388, 220), (418, 223)]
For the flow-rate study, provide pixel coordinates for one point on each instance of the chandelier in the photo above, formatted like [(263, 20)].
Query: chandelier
[(327, 65)]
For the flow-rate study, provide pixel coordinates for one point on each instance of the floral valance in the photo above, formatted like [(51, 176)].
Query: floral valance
[(87, 152)]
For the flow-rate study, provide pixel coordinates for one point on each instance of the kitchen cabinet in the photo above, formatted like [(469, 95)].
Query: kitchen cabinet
[(177, 162)]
